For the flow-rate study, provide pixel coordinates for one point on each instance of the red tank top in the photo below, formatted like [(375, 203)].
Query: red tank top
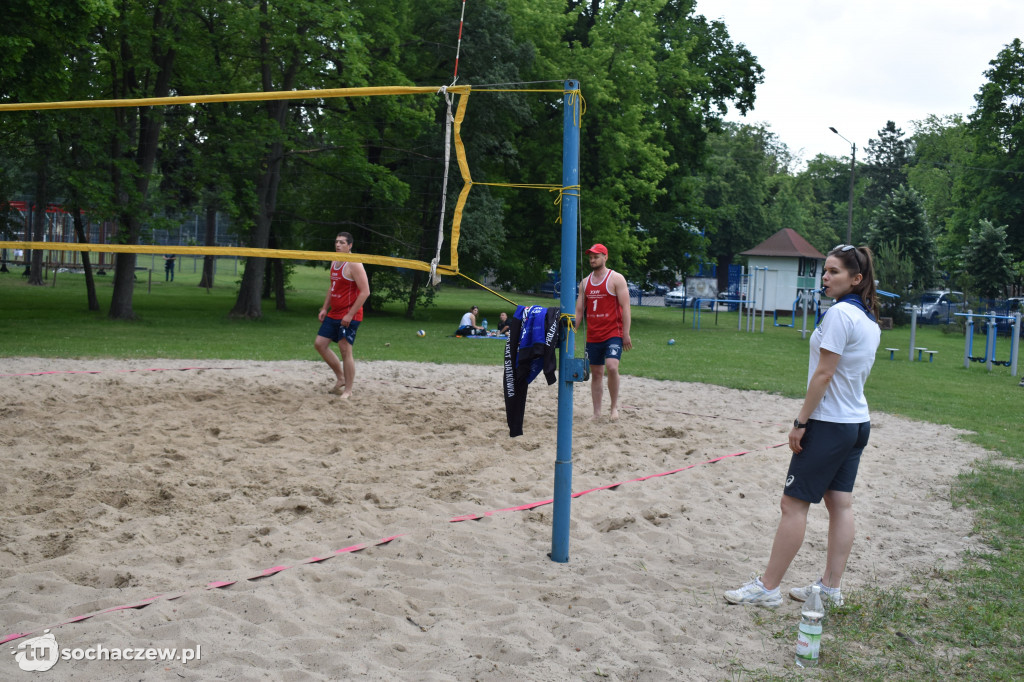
[(344, 293), (604, 317)]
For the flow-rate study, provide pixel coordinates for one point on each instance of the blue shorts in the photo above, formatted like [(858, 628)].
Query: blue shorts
[(610, 349), (331, 329), (829, 460)]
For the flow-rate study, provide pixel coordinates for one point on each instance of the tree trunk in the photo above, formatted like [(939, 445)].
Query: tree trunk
[(66, 142), (206, 281), (124, 283), (35, 272), (281, 302), (83, 238), (275, 284), (723, 273), (249, 304), (150, 121)]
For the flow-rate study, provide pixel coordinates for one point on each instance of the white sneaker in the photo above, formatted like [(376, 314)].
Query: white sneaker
[(755, 594), (830, 596)]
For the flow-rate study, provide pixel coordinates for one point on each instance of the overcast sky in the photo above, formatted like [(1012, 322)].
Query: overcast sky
[(858, 63)]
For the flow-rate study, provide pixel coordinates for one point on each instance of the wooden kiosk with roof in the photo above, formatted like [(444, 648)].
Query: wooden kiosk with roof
[(783, 267)]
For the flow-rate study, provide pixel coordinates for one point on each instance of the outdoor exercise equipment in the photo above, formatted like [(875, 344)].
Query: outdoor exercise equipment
[(990, 342)]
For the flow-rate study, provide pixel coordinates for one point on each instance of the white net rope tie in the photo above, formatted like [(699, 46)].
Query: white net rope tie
[(435, 279)]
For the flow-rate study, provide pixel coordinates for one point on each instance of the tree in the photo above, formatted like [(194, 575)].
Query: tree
[(39, 42), (941, 156), (994, 184), (793, 204), (656, 77), (901, 217), (886, 166), (737, 189), (987, 266), (299, 42), (139, 48), (828, 178), (700, 71), (622, 163), (895, 272)]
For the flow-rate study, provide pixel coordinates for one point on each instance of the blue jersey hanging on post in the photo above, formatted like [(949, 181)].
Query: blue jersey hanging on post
[(531, 348)]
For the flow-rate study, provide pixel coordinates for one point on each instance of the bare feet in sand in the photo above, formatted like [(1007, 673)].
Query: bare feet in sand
[(339, 390)]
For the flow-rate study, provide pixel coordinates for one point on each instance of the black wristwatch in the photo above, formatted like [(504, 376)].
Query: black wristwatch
[(798, 425)]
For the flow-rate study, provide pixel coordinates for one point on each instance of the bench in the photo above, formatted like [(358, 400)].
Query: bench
[(919, 350), (892, 353), (931, 354)]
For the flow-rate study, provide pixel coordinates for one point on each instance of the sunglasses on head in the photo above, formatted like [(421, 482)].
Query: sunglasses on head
[(843, 248)]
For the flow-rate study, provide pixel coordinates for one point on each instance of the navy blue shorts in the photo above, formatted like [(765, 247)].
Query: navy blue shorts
[(829, 460), (331, 329), (610, 349)]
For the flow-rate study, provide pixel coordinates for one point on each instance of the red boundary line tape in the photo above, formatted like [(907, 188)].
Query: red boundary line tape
[(718, 417), (533, 505), (267, 572), (217, 584), (106, 371)]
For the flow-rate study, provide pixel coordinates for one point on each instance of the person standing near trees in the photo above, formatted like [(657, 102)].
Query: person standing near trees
[(829, 433), (603, 304), (169, 267), (340, 316)]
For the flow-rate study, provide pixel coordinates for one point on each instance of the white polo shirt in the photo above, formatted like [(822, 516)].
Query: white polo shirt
[(848, 332)]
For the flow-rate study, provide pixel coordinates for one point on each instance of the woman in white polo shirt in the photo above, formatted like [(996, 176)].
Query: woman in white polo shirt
[(830, 431)]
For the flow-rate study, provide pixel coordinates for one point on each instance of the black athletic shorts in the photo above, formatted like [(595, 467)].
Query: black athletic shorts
[(828, 461)]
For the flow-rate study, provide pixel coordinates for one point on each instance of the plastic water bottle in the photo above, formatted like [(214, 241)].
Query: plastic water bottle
[(485, 323), (808, 638)]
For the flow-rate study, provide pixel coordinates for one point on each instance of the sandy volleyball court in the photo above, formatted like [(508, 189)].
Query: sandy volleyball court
[(120, 486)]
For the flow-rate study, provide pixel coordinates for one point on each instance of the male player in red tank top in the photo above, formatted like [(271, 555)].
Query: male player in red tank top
[(349, 290), (603, 304)]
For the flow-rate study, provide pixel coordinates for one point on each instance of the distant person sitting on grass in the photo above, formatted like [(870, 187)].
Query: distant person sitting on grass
[(503, 324), (468, 325)]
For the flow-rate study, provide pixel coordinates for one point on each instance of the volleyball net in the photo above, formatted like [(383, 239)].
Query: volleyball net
[(398, 244)]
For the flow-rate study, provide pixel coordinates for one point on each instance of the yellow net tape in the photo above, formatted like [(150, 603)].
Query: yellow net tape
[(467, 180), (241, 252), (232, 97), (460, 153), (484, 286), (575, 100)]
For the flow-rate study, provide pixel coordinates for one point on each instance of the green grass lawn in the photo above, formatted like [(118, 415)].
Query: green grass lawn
[(963, 623)]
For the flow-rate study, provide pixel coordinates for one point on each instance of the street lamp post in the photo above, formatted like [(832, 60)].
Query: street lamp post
[(849, 209)]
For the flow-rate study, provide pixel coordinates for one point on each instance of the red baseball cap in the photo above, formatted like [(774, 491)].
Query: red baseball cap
[(597, 248)]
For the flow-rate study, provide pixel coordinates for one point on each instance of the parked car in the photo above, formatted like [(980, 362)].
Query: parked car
[(937, 306), (657, 289), (1007, 309), (676, 298), (731, 303), (551, 286)]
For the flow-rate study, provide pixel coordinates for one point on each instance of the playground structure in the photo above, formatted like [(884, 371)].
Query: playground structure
[(745, 304), (990, 341), (754, 292)]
